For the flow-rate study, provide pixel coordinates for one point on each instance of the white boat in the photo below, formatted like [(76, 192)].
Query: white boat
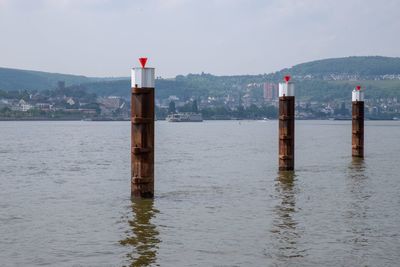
[(185, 117)]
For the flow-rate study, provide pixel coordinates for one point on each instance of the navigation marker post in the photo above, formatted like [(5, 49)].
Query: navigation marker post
[(142, 131), (286, 125), (357, 139)]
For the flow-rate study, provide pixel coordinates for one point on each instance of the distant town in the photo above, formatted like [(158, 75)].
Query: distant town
[(62, 103), (254, 101)]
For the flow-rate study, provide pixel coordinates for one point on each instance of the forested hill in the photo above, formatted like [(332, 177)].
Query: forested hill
[(335, 76), (316, 80), (16, 79), (362, 66)]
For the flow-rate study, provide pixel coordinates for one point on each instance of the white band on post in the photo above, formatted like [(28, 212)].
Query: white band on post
[(143, 77), (357, 95), (286, 89)]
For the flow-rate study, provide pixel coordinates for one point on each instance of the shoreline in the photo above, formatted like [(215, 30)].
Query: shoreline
[(122, 119)]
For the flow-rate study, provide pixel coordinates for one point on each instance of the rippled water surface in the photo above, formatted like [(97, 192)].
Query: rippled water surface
[(65, 196)]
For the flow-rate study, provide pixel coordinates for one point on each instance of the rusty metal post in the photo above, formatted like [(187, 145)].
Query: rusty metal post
[(142, 132), (286, 125), (357, 139)]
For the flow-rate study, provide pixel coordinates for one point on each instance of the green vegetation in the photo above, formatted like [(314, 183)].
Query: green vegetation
[(107, 88), (375, 89), (314, 88), (203, 85), (23, 94), (37, 114), (318, 90), (13, 79), (351, 65)]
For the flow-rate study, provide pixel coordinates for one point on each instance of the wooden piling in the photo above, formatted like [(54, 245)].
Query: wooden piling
[(358, 123), (286, 125), (142, 133)]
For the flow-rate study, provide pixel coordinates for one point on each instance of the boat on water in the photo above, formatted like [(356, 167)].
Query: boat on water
[(185, 117)]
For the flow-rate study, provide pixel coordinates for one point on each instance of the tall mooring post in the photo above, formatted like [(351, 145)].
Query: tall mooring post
[(357, 123), (286, 125), (142, 131)]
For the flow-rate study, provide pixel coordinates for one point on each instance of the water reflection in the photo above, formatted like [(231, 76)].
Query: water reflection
[(356, 214), (357, 167), (144, 238), (285, 227)]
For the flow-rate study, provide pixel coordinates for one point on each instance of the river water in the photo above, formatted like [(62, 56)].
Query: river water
[(220, 201)]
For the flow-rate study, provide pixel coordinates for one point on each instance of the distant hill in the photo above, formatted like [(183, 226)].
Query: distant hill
[(363, 66), (321, 79), (333, 78), (317, 80), (15, 79)]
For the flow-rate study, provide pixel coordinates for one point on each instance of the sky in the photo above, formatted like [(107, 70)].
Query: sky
[(104, 38)]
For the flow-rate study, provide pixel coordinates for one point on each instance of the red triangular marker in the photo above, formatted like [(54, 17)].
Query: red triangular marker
[(358, 87), (287, 78), (143, 61)]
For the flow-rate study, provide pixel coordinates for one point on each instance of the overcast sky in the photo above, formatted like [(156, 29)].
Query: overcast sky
[(223, 37)]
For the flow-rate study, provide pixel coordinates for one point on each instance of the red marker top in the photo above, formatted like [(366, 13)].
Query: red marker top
[(143, 61), (287, 78), (358, 87)]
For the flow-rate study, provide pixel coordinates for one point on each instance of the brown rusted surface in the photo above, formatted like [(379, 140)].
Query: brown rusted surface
[(286, 133), (142, 142), (357, 129), (137, 90)]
